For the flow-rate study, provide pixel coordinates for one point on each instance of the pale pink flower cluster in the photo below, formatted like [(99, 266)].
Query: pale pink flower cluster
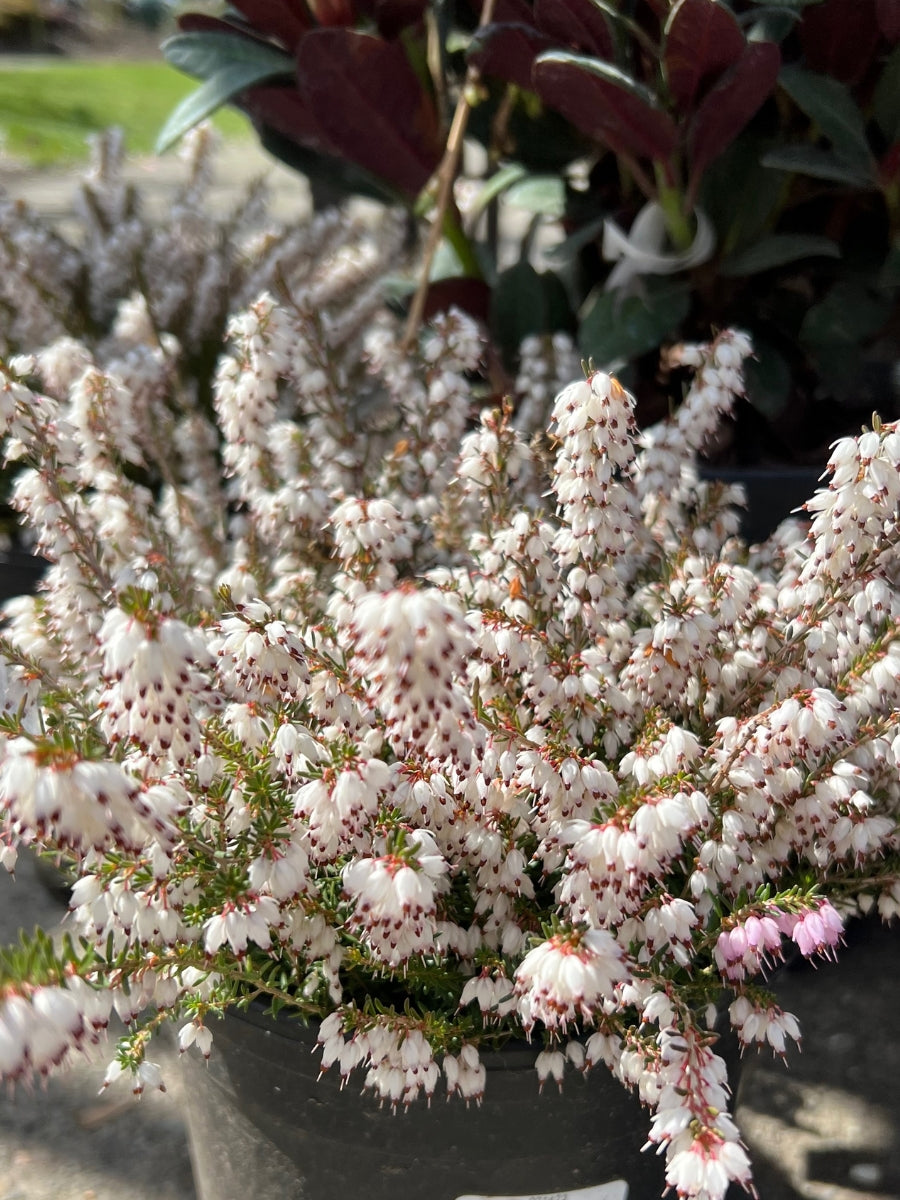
[(457, 737), (42, 1028)]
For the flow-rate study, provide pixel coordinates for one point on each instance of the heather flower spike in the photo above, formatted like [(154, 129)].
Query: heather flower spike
[(335, 702)]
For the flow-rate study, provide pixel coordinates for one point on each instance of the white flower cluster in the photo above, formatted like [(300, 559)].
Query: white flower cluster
[(457, 738)]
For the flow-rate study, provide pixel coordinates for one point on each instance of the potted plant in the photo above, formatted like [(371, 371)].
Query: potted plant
[(690, 162), (357, 705)]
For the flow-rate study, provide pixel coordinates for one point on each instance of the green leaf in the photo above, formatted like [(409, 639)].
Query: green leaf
[(767, 376), (525, 302), (617, 327), (204, 55), (772, 24), (739, 195), (777, 250), (202, 103), (496, 185), (828, 103), (834, 331), (545, 194), (848, 314), (802, 159), (567, 249)]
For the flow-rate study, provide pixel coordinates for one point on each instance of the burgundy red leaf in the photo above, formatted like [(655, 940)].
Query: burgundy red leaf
[(286, 20), (730, 105), (576, 24), (703, 39), (393, 16), (839, 37), (888, 14), (606, 105), (370, 105), (508, 52), (282, 109)]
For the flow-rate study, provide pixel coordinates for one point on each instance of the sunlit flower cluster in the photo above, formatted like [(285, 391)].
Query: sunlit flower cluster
[(463, 733)]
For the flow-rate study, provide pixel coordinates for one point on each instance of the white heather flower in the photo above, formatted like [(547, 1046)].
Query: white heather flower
[(260, 657), (411, 647), (771, 1025), (568, 977), (393, 899), (339, 806), (465, 1074), (50, 792), (194, 1033), (152, 671), (241, 922)]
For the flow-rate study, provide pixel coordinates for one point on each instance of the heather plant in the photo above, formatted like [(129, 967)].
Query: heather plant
[(438, 718)]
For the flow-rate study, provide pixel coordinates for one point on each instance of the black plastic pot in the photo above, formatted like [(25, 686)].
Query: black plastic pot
[(773, 493), (262, 1124), (20, 573)]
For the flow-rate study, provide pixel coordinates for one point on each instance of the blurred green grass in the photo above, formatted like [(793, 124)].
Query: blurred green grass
[(48, 111)]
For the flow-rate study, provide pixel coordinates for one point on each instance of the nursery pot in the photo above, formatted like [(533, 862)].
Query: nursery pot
[(20, 573), (773, 494), (263, 1124)]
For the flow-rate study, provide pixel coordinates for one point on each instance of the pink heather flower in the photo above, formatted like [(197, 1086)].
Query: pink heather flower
[(747, 946), (568, 977), (818, 930)]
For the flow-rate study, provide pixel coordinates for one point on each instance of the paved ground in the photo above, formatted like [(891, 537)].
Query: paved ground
[(50, 191), (824, 1127)]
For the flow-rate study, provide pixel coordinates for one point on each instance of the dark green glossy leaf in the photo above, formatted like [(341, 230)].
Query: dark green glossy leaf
[(617, 327), (204, 54), (739, 195), (849, 313), (889, 276), (776, 251), (526, 302), (767, 376), (830, 106), (217, 90), (820, 164)]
